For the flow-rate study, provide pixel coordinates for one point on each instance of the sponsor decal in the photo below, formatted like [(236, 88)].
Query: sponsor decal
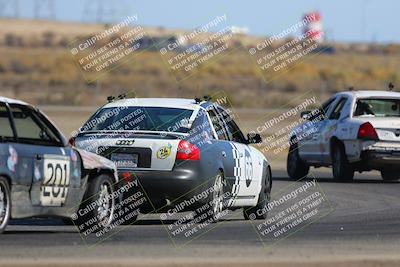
[(164, 152), (36, 172), (12, 159), (248, 168)]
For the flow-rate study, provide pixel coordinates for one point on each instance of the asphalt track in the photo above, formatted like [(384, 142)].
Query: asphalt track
[(361, 227)]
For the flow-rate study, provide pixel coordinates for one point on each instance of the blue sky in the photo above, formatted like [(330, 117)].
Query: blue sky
[(343, 20)]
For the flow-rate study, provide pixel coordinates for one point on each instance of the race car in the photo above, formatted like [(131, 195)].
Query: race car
[(41, 175), (177, 148), (352, 131)]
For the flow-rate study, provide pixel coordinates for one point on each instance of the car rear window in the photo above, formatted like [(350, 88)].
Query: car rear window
[(139, 118), (5, 125), (377, 107)]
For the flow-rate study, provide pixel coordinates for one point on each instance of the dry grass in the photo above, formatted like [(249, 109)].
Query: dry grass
[(48, 75)]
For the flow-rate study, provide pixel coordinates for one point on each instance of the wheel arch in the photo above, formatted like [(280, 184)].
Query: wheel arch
[(93, 173), (335, 141)]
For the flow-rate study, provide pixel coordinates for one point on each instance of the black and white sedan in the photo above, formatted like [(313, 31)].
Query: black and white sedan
[(177, 148), (352, 131), (41, 175)]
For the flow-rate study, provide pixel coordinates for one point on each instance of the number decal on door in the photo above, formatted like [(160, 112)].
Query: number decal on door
[(54, 189)]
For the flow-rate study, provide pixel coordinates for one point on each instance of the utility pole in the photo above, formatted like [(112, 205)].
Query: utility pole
[(44, 9), (103, 11), (9, 8)]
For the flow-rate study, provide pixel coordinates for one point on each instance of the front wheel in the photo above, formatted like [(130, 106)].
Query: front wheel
[(5, 203), (342, 170), (260, 211), (216, 199), (295, 166), (390, 175), (101, 203)]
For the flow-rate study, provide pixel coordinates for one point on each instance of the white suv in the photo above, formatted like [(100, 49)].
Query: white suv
[(352, 131)]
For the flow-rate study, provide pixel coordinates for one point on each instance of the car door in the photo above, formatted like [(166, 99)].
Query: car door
[(51, 165), (248, 163), (330, 127), (311, 132), (10, 165)]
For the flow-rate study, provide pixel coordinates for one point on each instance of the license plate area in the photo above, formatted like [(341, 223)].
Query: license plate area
[(143, 153), (123, 160)]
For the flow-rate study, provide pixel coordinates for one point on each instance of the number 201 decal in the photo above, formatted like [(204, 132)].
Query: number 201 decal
[(56, 181)]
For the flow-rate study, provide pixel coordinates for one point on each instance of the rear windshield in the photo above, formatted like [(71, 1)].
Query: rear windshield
[(377, 107), (139, 118)]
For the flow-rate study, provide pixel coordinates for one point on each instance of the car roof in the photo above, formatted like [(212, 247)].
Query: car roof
[(182, 103), (12, 101), (370, 93)]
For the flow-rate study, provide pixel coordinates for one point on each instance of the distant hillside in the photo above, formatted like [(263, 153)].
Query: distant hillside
[(36, 65)]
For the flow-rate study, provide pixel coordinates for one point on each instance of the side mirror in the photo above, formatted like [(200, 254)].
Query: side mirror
[(254, 138)]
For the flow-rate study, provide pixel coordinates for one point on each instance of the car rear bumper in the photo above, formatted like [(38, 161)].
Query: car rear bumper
[(184, 181), (379, 159)]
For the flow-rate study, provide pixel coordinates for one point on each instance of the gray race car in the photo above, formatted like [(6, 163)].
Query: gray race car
[(41, 175), (177, 149)]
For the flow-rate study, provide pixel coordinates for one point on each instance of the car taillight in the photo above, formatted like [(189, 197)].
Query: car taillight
[(71, 141), (367, 132), (187, 151)]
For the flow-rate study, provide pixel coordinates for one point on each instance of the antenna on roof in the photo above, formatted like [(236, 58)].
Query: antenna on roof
[(391, 86), (197, 100), (351, 88), (110, 98), (122, 96)]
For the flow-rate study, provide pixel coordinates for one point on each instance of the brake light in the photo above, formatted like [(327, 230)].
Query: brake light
[(367, 132), (71, 141), (187, 151)]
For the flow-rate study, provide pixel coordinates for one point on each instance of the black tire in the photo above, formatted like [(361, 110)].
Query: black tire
[(98, 188), (390, 175), (263, 200), (342, 170), (5, 203), (295, 166)]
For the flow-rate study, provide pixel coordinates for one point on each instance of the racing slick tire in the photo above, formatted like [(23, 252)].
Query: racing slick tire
[(5, 203), (342, 170), (216, 200), (99, 190), (390, 175), (263, 199), (296, 167)]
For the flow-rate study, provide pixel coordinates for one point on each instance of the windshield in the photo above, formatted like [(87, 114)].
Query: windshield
[(377, 107), (139, 119)]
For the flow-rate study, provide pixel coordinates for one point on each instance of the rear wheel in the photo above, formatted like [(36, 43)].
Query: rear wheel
[(342, 170), (295, 166), (390, 175), (5, 203), (259, 212)]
